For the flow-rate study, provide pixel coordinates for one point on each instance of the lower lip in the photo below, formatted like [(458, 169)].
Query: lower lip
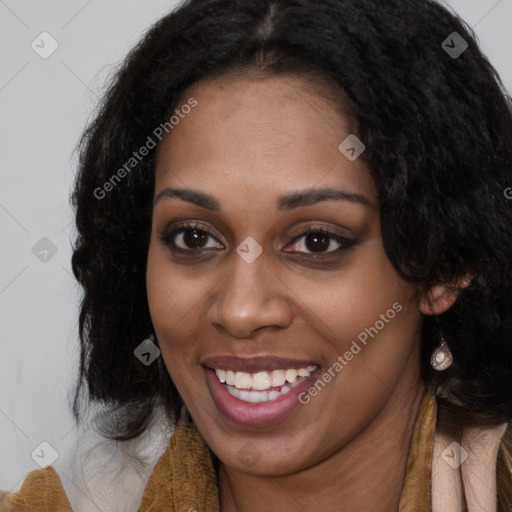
[(255, 414)]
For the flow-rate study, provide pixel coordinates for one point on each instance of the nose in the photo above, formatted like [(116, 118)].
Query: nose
[(250, 297)]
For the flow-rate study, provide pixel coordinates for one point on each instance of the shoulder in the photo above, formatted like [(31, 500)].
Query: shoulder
[(97, 473), (41, 491)]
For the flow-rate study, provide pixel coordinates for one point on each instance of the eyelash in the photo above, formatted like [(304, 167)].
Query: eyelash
[(345, 243)]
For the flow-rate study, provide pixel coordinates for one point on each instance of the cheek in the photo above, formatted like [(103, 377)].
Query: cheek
[(355, 299), (370, 317), (173, 303)]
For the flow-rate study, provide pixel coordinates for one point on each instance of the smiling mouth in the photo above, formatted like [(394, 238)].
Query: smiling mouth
[(264, 386), (258, 391)]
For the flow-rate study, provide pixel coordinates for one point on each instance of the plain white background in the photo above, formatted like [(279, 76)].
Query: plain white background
[(44, 106)]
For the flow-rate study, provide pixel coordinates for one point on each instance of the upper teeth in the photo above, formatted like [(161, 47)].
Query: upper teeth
[(262, 380)]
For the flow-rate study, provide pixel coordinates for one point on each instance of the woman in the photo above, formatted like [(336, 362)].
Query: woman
[(295, 246)]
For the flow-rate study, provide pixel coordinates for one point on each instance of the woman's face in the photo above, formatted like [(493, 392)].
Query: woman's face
[(248, 166)]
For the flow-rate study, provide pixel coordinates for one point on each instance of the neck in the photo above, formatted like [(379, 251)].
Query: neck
[(366, 474)]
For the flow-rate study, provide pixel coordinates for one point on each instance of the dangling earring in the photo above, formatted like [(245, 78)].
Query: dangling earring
[(441, 357)]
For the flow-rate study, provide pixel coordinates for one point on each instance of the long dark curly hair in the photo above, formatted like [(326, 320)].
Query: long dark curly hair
[(438, 134)]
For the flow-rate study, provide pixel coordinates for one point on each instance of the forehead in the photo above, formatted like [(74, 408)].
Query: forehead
[(270, 135)]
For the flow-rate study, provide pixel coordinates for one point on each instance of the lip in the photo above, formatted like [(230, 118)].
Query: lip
[(259, 414), (255, 364)]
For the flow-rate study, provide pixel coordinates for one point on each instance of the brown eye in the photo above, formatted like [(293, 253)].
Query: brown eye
[(321, 241), (193, 238), (188, 238), (317, 242)]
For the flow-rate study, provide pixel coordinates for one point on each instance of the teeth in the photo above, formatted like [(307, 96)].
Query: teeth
[(243, 380), (277, 378), (272, 395), (245, 396), (230, 377), (259, 396), (291, 376), (262, 381)]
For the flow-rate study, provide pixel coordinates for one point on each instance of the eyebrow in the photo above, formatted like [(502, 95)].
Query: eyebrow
[(286, 202)]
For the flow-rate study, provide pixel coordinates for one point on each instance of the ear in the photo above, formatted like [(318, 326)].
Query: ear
[(441, 297)]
